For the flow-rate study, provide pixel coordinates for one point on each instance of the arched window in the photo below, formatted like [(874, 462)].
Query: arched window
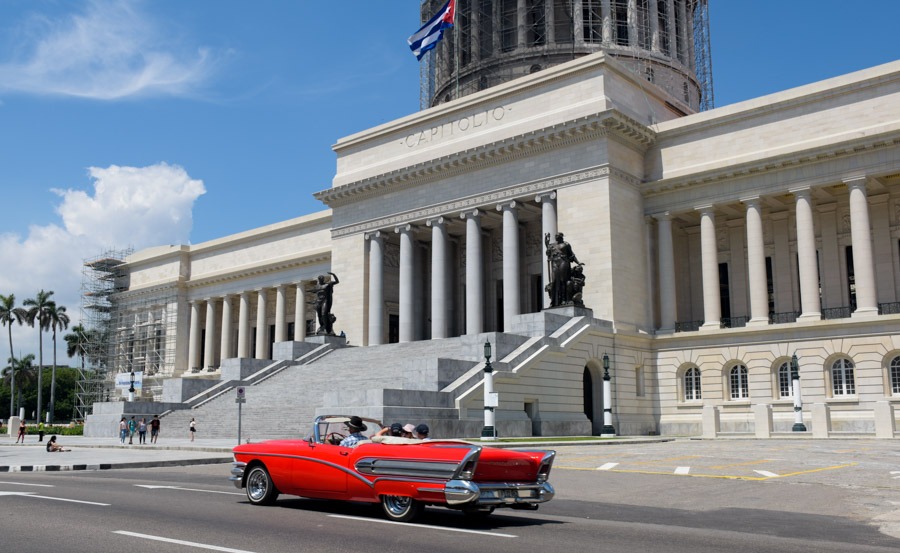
[(692, 384), (895, 375), (842, 381), (740, 389), (785, 385)]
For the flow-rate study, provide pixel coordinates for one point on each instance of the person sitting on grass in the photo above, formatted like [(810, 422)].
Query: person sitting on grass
[(53, 447)]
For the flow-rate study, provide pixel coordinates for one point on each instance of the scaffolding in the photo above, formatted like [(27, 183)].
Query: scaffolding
[(494, 41), (101, 277)]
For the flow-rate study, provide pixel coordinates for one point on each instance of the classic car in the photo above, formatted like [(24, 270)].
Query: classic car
[(403, 475)]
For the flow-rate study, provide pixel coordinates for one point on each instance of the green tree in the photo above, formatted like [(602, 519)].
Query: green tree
[(10, 314), (38, 315), (59, 320), (77, 342), (27, 372)]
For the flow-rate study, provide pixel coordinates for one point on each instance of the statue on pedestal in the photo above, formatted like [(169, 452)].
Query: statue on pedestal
[(324, 291), (566, 273)]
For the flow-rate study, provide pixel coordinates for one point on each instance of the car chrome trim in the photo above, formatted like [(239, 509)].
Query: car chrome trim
[(403, 467), (430, 490), (237, 474), (460, 492), (312, 460)]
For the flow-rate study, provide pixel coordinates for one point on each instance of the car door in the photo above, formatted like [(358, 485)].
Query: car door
[(320, 470)]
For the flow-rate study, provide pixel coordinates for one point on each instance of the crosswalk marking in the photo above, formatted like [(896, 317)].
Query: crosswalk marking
[(608, 466), (765, 473), (683, 470)]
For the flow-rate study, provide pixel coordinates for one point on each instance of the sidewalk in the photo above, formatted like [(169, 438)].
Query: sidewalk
[(109, 453)]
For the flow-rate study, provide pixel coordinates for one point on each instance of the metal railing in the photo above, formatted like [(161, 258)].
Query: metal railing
[(734, 322), (784, 317), (836, 313), (688, 326), (889, 308)]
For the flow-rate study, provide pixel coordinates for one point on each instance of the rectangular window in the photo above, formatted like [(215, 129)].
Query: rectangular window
[(620, 22), (563, 23), (770, 286), (486, 29), (724, 291), (508, 25), (592, 21), (662, 22), (639, 381), (785, 385), (464, 20), (851, 278), (535, 23)]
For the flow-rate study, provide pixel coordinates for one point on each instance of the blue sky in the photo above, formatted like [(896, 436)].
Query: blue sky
[(142, 123)]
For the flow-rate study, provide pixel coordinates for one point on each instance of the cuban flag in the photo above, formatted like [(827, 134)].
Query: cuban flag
[(428, 36)]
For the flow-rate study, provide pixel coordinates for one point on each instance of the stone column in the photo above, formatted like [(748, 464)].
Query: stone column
[(756, 264), (209, 345), (671, 29), (549, 225), (882, 248), (261, 342), (709, 253), (666, 255), (807, 263), (244, 326), (606, 14), (474, 273), (225, 347), (511, 263), (654, 27), (376, 288), (439, 274), (832, 289), (861, 238), (194, 344), (407, 270), (300, 313), (280, 314)]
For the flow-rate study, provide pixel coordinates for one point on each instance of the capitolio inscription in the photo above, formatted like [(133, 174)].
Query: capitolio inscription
[(474, 121)]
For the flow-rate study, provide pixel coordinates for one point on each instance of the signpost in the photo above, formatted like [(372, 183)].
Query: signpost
[(240, 399)]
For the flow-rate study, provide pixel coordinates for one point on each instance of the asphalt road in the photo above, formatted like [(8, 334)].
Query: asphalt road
[(674, 497)]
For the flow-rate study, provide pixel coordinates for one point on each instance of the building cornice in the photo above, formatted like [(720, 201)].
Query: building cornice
[(598, 125), (792, 160), (490, 199), (276, 264)]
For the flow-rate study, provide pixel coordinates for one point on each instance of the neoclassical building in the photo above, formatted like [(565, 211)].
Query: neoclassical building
[(716, 245)]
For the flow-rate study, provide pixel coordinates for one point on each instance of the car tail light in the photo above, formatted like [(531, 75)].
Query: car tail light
[(546, 464)]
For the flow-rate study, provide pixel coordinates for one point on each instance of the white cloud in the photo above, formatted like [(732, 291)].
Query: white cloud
[(112, 50), (130, 206)]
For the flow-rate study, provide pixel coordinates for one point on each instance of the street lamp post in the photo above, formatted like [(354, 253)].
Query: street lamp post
[(607, 429), (489, 432), (798, 400), (131, 389)]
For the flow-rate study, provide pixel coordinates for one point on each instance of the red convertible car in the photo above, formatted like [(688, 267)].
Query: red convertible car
[(403, 475)]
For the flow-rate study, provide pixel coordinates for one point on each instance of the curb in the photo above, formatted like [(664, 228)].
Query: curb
[(109, 466)]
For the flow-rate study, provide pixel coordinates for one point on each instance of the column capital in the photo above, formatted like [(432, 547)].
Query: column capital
[(855, 181), (374, 235), (473, 214), (708, 209), (435, 222), (545, 196), (281, 286), (244, 293), (751, 201), (663, 216), (403, 229), (801, 192), (506, 205)]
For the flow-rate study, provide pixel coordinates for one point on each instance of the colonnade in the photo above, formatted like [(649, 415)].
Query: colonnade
[(222, 327), (441, 270), (807, 259)]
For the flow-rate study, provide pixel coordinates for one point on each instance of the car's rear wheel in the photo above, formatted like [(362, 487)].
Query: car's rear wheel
[(400, 508), (260, 488)]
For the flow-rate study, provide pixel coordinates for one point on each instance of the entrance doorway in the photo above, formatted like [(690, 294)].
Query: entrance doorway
[(592, 389)]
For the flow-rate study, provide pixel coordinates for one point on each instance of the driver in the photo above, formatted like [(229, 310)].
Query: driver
[(356, 427)]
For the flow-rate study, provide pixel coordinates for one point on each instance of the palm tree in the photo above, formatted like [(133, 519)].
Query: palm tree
[(39, 312), (59, 320), (77, 343), (26, 369), (10, 314)]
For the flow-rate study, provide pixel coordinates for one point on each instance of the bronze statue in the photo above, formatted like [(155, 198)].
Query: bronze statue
[(566, 280), (324, 291)]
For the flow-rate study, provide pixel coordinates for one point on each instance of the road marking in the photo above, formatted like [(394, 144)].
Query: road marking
[(24, 484), (32, 494), (895, 472), (766, 473), (608, 466), (758, 462), (417, 526), (151, 487), (180, 542), (682, 470)]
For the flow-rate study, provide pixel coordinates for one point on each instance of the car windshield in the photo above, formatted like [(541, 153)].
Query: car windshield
[(330, 427)]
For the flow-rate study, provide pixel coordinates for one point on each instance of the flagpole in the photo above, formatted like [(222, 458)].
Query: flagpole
[(456, 34)]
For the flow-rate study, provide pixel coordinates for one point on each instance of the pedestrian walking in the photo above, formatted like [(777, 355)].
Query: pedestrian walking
[(142, 431), (123, 430), (40, 431), (21, 432), (193, 428), (132, 426), (154, 429)]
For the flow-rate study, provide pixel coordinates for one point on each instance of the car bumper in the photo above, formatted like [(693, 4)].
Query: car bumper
[(237, 474), (465, 493)]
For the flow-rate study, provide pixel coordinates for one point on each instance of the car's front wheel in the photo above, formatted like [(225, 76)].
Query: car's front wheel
[(260, 488), (401, 509)]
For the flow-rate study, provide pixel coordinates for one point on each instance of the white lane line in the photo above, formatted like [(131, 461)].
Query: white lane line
[(765, 473), (180, 542), (895, 472), (151, 487), (608, 466), (682, 470), (24, 484), (32, 494), (417, 526)]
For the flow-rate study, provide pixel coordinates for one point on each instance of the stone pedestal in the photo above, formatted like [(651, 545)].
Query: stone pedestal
[(710, 419), (821, 420), (884, 420), (762, 417)]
